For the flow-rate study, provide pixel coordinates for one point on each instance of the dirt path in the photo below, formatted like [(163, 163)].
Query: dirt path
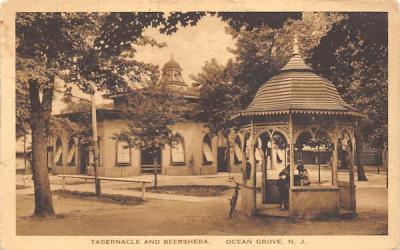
[(163, 217)]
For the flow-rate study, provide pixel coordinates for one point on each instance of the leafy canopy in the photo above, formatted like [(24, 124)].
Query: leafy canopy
[(354, 56)]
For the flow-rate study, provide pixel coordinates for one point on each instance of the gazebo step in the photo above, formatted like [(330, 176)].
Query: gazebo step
[(346, 213), (273, 211)]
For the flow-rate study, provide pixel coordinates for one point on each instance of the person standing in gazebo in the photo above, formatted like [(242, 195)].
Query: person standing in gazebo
[(283, 186)]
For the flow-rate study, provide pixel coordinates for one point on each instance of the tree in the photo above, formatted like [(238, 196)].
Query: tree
[(150, 113), (217, 98), (39, 54), (353, 55)]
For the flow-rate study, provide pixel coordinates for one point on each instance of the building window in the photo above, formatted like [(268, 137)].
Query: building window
[(237, 148), (208, 156), (58, 159), (177, 151), (71, 153), (123, 153)]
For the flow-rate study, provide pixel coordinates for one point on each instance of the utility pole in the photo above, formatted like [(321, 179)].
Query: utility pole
[(95, 142)]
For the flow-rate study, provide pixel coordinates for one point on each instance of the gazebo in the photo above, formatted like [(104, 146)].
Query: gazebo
[(294, 109)]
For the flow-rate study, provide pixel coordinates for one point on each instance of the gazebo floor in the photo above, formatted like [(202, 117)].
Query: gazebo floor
[(273, 210)]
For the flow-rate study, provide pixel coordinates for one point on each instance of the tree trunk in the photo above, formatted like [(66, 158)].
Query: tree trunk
[(360, 156), (228, 158), (40, 117), (384, 158), (155, 169)]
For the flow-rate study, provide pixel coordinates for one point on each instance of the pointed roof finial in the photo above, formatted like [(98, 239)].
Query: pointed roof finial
[(172, 64), (295, 45)]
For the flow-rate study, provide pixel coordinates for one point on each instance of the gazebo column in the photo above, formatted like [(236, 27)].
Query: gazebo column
[(335, 157), (291, 149), (253, 177), (351, 173), (335, 164), (291, 161), (244, 161), (273, 155)]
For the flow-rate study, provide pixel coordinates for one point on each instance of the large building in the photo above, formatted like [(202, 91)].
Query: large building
[(195, 153)]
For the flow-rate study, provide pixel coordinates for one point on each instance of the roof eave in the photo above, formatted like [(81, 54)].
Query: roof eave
[(297, 111)]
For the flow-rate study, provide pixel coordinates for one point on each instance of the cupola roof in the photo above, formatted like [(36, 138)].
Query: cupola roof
[(172, 64)]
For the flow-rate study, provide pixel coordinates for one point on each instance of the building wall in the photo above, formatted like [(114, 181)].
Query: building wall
[(192, 134), (64, 168), (108, 160), (20, 162), (235, 167)]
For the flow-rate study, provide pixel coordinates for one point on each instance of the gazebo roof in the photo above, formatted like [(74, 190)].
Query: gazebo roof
[(296, 88)]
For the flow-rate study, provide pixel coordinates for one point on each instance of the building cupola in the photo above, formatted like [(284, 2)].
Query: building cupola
[(171, 75)]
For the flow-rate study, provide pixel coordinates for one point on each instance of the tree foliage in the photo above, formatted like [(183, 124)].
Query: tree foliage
[(217, 98), (253, 20), (354, 56), (150, 113)]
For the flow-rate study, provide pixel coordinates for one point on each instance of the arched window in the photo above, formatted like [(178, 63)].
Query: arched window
[(71, 152), (58, 159), (177, 150), (123, 153), (237, 148), (208, 156)]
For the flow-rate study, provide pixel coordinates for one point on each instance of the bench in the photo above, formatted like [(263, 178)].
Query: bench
[(149, 168), (85, 177)]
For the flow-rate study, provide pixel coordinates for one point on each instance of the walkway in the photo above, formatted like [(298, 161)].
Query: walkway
[(374, 181)]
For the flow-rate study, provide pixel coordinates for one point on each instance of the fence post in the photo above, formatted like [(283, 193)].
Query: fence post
[(143, 191)]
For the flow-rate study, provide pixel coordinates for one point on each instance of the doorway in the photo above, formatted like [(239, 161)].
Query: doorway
[(222, 154), (222, 161), (150, 161), (271, 155), (84, 153)]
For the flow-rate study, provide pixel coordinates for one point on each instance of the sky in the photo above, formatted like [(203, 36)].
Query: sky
[(191, 46)]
